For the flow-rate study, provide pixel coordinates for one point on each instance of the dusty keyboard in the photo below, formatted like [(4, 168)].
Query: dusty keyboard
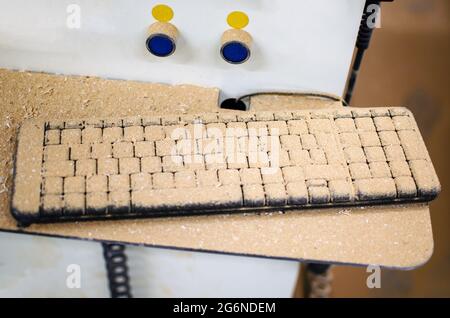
[(219, 163)]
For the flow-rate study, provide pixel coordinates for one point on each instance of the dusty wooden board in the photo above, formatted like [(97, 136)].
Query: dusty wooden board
[(392, 236)]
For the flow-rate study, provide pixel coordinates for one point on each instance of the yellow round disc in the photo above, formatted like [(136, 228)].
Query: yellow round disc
[(162, 13), (237, 20)]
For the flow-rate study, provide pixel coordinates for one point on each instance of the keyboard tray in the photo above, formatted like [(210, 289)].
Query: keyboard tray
[(219, 163)]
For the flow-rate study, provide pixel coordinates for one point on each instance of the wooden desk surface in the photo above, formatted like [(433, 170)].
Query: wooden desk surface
[(392, 236)]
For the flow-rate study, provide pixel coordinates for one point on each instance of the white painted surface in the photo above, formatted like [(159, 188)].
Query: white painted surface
[(298, 45), (169, 273), (32, 266)]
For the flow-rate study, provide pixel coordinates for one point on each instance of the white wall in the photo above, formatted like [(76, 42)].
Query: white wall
[(298, 44), (34, 266)]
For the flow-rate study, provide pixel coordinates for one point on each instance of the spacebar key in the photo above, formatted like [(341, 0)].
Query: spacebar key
[(187, 199)]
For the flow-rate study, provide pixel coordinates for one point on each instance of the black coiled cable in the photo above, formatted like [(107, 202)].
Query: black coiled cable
[(365, 32), (362, 44), (117, 270)]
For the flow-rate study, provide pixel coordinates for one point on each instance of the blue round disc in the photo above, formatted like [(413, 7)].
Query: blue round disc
[(235, 52), (160, 45)]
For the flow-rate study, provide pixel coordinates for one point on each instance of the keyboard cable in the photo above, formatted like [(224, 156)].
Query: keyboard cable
[(362, 44), (243, 102)]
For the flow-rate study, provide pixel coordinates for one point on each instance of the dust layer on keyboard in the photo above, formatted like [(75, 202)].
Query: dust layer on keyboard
[(219, 163)]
